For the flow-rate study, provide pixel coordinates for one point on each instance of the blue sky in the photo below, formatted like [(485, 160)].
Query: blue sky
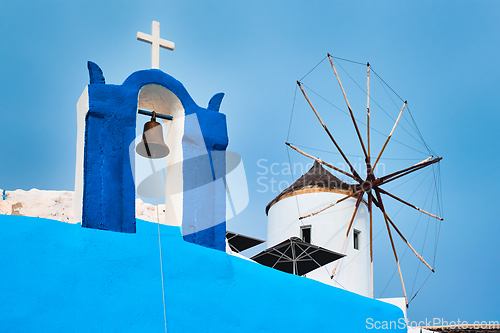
[(441, 56)]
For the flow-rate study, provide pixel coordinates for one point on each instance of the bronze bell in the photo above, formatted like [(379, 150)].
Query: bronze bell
[(152, 144)]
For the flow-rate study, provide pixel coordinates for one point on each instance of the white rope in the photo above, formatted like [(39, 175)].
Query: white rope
[(159, 244)]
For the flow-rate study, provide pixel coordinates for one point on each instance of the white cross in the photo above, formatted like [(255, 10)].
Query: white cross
[(156, 42)]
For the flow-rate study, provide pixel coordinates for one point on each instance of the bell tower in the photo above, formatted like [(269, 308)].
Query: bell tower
[(196, 138)]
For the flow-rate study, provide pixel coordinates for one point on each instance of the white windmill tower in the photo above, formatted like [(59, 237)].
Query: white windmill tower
[(314, 190)]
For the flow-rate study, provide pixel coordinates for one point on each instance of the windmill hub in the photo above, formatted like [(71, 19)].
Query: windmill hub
[(366, 186)]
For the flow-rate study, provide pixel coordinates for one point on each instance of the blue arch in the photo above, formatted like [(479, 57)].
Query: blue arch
[(108, 191)]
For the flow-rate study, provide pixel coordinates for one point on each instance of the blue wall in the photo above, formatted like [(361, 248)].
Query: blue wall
[(59, 277), (108, 190)]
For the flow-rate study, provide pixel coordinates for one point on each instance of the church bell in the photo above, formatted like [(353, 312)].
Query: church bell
[(152, 144)]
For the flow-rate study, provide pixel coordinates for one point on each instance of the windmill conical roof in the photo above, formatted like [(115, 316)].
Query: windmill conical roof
[(317, 179)]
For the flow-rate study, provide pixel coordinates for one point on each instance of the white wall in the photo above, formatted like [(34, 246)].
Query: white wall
[(82, 107)]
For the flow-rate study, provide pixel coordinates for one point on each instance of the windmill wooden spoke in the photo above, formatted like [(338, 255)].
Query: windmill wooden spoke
[(397, 230), (320, 161), (330, 205), (369, 169), (358, 202), (383, 178), (348, 106), (408, 243), (381, 206), (375, 202), (414, 168), (368, 109), (390, 135), (347, 233), (397, 261), (370, 210), (329, 134), (409, 204)]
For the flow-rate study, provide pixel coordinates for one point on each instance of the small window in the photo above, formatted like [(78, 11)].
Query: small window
[(305, 233), (356, 239)]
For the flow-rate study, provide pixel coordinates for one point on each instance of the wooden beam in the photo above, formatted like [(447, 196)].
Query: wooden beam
[(348, 106), (389, 137), (406, 169), (404, 172), (330, 205), (358, 202), (409, 204), (369, 169), (347, 233), (370, 210), (319, 161), (368, 108), (381, 206), (329, 134), (408, 243)]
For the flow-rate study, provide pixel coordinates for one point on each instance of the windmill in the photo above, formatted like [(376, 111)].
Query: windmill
[(372, 186)]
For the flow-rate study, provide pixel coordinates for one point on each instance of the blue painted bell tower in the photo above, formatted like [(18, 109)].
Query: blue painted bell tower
[(105, 189)]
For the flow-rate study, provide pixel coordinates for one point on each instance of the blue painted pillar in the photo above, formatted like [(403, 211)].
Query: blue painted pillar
[(108, 187)]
